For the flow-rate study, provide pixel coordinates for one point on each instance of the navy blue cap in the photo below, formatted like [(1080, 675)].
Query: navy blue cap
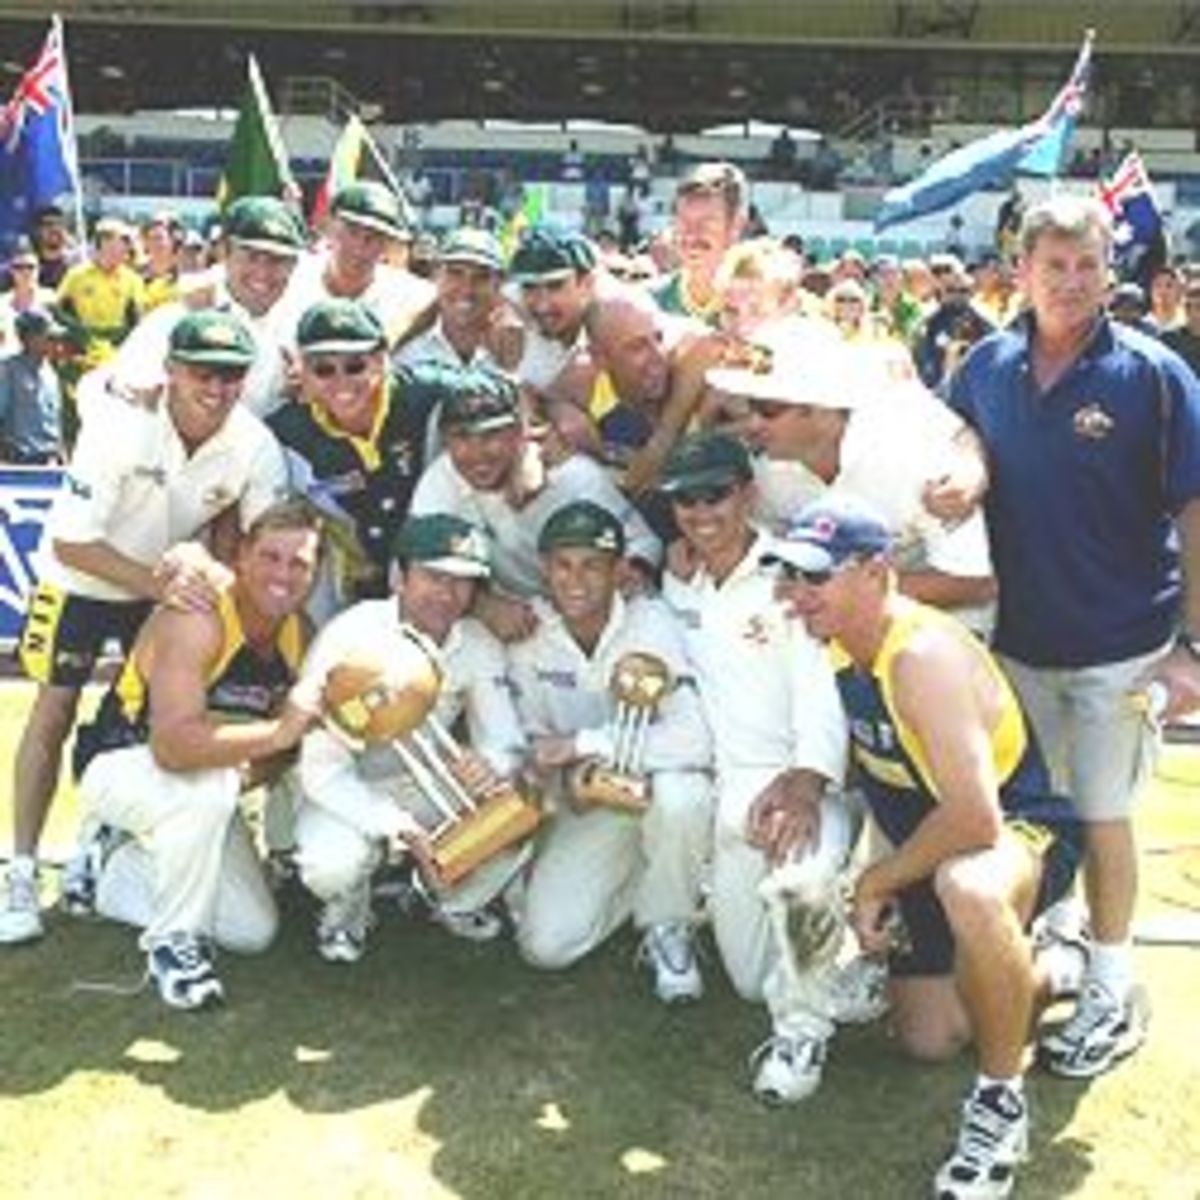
[(829, 532)]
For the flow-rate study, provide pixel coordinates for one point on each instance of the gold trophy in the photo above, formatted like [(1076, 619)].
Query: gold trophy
[(373, 706), (639, 683)]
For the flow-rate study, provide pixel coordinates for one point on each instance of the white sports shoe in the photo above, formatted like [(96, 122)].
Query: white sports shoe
[(181, 964), (21, 917), (345, 920), (669, 950), (1102, 1031), (858, 991), (480, 925), (788, 1068), (992, 1139)]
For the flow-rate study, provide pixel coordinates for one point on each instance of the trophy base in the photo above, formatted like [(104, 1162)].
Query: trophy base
[(594, 785), (495, 825)]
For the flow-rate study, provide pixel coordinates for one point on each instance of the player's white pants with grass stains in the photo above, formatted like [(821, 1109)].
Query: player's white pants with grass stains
[(748, 943), (595, 870), (191, 866)]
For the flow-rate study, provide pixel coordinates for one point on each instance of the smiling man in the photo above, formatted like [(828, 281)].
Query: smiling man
[(597, 866), (139, 482), (356, 435), (199, 710), (469, 273)]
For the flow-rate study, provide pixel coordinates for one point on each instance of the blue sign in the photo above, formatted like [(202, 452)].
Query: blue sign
[(26, 494)]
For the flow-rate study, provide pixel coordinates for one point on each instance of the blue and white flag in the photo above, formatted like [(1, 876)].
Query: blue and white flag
[(996, 158), (1137, 221), (38, 163)]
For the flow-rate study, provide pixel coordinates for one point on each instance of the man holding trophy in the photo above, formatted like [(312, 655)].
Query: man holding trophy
[(606, 696), (383, 776)]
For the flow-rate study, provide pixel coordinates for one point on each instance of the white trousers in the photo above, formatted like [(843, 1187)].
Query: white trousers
[(192, 867), (592, 871), (749, 942)]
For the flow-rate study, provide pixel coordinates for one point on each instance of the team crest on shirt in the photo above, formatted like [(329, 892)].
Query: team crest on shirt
[(218, 497), (401, 454), (1093, 423), (755, 630)]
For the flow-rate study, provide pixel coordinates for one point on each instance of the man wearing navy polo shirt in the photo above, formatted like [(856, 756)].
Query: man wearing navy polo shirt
[(1092, 432)]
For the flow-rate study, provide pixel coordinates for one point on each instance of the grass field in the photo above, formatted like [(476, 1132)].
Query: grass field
[(436, 1068)]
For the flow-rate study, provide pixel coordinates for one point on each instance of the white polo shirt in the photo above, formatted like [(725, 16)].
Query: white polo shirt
[(475, 683), (131, 483), (563, 691), (516, 565), (768, 687)]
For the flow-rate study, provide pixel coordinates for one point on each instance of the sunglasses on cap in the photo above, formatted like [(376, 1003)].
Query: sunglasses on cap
[(715, 493), (327, 368)]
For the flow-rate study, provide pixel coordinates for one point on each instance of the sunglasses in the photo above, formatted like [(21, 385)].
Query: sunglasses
[(795, 574), (708, 496), (327, 368), (769, 410)]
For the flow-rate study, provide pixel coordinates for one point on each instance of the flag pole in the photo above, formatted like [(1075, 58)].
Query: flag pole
[(70, 142)]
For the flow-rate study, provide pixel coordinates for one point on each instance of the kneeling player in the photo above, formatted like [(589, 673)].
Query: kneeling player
[(199, 710), (979, 844)]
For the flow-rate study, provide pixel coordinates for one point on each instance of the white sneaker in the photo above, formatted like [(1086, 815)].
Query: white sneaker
[(669, 950), (1061, 956), (21, 917), (342, 929), (788, 1068), (992, 1139), (182, 966), (81, 875), (481, 925), (1102, 1031), (858, 991)]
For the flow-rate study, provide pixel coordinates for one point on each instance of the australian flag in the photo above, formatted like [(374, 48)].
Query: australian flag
[(38, 163), (1138, 239), (1038, 148)]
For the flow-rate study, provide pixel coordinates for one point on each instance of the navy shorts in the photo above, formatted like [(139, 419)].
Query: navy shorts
[(928, 944), (64, 634)]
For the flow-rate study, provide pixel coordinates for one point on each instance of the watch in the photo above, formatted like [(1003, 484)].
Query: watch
[(1189, 643)]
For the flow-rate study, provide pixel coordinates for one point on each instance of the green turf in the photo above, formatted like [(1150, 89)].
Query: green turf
[(437, 1068)]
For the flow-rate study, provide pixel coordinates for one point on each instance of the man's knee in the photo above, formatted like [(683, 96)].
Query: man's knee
[(969, 897), (332, 869), (253, 933), (549, 944)]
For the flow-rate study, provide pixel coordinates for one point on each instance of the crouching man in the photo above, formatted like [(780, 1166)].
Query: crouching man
[(600, 864), (199, 711), (980, 846), (362, 802)]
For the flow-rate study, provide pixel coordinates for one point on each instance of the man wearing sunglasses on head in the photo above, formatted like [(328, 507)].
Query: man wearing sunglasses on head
[(355, 438), (978, 843), (825, 420), (768, 693)]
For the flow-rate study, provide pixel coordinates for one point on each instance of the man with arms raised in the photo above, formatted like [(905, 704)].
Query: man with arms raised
[(979, 845)]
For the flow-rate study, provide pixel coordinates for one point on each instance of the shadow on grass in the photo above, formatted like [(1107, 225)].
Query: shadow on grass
[(527, 1085)]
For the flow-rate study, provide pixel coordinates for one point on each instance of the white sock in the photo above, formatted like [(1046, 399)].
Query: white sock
[(23, 864), (1111, 966), (1015, 1083)]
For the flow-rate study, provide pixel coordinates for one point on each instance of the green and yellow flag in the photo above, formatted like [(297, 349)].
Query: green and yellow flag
[(257, 161)]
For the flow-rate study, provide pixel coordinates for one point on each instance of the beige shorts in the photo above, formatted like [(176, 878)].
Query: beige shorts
[(1097, 742)]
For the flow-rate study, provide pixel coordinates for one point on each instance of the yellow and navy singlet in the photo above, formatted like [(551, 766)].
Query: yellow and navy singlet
[(894, 770), (242, 685)]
